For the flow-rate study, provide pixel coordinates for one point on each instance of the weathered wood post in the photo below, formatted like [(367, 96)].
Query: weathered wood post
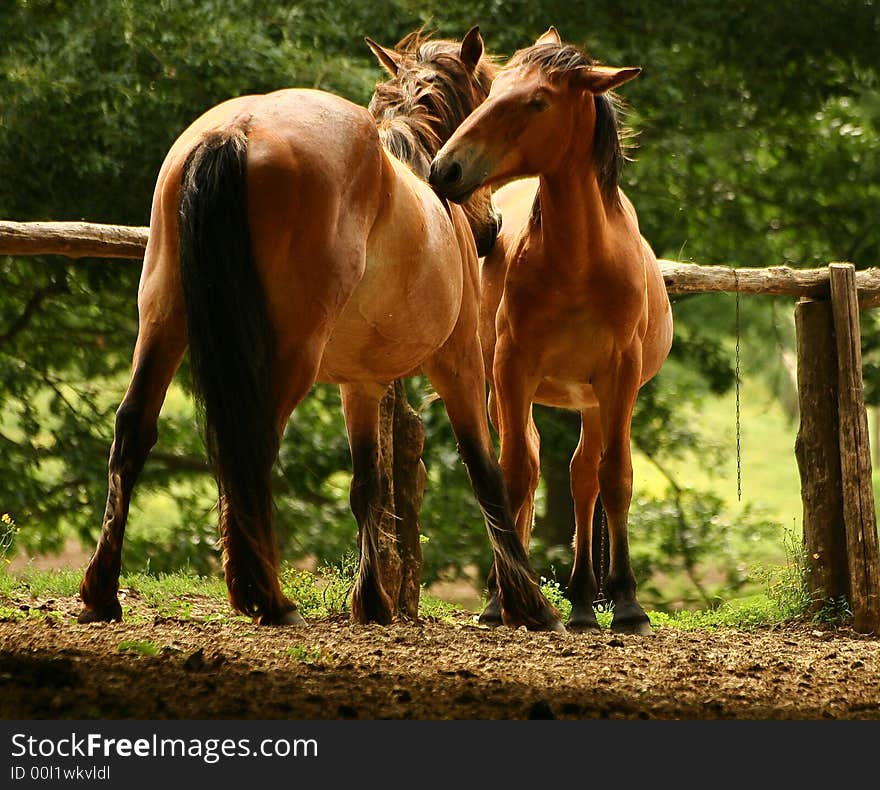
[(391, 565), (401, 438), (410, 477), (859, 513), (817, 450)]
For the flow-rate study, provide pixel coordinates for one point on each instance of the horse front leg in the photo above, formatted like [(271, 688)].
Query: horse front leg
[(617, 395), (369, 601), (156, 359)]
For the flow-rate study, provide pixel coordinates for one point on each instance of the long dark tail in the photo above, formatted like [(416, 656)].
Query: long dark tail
[(231, 344)]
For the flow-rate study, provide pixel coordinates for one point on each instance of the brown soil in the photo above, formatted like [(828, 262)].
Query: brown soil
[(52, 668)]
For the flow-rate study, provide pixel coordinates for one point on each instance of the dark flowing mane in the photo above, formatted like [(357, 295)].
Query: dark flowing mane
[(611, 138), (419, 109)]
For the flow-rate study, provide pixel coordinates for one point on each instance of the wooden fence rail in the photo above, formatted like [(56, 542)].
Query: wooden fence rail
[(832, 449), (91, 240)]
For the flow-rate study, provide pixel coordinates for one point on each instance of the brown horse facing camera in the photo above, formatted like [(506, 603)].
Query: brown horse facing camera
[(575, 311), (289, 246)]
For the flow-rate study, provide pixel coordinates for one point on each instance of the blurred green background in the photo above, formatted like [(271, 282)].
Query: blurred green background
[(757, 145)]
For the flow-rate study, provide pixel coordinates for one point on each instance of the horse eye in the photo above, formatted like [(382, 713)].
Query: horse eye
[(538, 102)]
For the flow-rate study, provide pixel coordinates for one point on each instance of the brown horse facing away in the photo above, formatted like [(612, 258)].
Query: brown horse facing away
[(288, 246), (574, 296)]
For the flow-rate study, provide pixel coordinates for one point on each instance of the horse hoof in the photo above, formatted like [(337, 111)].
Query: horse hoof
[(491, 614), (106, 614), (557, 627), (582, 620), (490, 619), (584, 626), (636, 627), (290, 617), (294, 618)]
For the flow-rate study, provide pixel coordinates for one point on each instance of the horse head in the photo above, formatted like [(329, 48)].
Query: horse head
[(434, 85)]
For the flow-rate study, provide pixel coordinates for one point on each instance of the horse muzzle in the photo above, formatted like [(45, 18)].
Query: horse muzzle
[(447, 179)]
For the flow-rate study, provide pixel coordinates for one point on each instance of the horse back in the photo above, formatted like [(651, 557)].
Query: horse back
[(313, 164)]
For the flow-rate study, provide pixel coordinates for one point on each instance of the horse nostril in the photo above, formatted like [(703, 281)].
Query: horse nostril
[(444, 176), (453, 174)]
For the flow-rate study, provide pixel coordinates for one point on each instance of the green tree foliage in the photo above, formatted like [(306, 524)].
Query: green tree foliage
[(757, 145)]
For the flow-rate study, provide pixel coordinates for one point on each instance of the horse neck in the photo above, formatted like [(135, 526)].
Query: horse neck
[(576, 220)]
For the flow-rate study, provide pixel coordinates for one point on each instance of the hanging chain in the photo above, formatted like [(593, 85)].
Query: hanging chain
[(601, 602), (738, 416)]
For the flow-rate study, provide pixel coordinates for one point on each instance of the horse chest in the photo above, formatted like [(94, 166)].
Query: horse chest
[(572, 318)]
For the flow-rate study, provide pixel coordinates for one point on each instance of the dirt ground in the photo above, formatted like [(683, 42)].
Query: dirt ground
[(206, 668)]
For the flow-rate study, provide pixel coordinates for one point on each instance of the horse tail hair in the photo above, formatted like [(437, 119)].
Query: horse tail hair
[(231, 346)]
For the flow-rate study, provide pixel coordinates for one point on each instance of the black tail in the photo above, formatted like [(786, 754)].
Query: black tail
[(231, 346)]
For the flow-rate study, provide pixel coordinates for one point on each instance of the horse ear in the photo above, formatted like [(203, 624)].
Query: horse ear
[(471, 48), (550, 37), (601, 79), (387, 58)]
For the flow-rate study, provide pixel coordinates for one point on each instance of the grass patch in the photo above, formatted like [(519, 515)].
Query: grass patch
[(8, 585), (51, 583), (144, 648), (553, 592), (305, 655), (322, 594), (157, 589), (783, 596), (433, 608), (10, 614), (172, 594)]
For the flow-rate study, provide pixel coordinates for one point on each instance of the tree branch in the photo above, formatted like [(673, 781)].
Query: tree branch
[(31, 308)]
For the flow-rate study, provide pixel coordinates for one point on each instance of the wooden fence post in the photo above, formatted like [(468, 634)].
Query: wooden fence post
[(817, 450), (401, 438), (859, 513), (410, 477)]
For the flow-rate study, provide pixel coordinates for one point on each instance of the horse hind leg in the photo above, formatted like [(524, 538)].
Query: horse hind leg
[(369, 601), (491, 614), (251, 572), (615, 486), (457, 375), (135, 434), (584, 468)]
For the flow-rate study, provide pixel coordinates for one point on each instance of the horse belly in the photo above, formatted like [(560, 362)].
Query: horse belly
[(402, 311), (565, 394), (370, 349), (409, 298)]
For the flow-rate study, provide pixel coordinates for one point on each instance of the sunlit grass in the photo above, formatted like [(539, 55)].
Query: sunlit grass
[(42, 584), (769, 474), (325, 594)]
